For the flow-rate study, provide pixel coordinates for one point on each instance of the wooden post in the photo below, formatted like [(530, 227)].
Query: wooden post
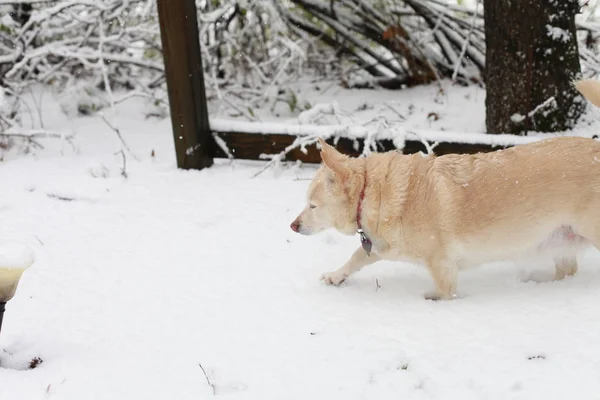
[(185, 83)]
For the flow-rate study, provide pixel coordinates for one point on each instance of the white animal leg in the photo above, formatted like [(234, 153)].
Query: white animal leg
[(358, 260), (445, 279), (565, 266)]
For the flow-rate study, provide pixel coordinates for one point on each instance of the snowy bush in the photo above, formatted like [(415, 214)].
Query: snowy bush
[(252, 50)]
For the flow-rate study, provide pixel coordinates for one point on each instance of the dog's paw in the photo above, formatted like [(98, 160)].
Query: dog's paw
[(333, 278), (433, 296)]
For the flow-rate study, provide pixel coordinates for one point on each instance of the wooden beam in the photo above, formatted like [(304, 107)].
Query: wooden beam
[(249, 146), (185, 82)]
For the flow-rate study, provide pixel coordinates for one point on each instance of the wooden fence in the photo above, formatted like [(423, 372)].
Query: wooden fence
[(195, 142)]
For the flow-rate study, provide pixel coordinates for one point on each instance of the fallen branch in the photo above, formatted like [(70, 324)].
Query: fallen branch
[(549, 102), (34, 135)]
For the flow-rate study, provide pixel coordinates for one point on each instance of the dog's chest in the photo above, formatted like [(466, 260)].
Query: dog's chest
[(395, 252)]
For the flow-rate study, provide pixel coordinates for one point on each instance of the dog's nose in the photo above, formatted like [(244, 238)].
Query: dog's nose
[(295, 226)]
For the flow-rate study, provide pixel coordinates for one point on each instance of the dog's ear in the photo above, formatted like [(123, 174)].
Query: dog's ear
[(324, 145), (333, 159), (590, 89)]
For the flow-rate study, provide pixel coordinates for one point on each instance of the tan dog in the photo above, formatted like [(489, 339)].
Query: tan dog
[(452, 212)]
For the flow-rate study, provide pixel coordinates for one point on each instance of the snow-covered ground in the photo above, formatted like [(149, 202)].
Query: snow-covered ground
[(142, 283)]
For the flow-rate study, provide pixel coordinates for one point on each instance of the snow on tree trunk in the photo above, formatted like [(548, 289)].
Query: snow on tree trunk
[(532, 58)]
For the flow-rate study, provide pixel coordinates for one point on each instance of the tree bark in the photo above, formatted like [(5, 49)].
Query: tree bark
[(532, 57)]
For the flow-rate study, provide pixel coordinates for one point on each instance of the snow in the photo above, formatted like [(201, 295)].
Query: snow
[(142, 283), (557, 33), (15, 255), (309, 116), (517, 118)]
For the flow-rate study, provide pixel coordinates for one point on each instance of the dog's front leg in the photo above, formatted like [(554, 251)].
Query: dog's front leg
[(445, 279), (358, 260)]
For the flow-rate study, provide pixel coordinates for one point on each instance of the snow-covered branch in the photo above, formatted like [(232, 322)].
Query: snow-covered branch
[(394, 132)]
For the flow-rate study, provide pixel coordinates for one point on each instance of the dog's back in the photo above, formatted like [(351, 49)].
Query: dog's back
[(485, 206)]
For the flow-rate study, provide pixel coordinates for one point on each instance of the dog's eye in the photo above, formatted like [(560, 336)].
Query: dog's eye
[(312, 206)]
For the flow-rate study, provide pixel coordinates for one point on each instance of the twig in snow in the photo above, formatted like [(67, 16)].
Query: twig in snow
[(28, 138), (428, 147), (315, 112), (214, 389), (59, 197), (221, 143), (301, 142), (518, 118), (551, 101), (118, 132), (369, 142), (395, 111), (38, 134), (537, 357), (124, 167)]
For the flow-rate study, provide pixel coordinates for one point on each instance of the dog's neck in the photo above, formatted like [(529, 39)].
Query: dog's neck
[(364, 239)]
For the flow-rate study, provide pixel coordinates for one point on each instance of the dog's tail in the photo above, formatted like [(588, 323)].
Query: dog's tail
[(590, 89)]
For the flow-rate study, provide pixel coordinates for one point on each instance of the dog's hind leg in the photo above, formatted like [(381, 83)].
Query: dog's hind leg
[(565, 266), (358, 260), (445, 279)]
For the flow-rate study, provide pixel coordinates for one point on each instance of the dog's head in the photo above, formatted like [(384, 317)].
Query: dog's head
[(332, 195)]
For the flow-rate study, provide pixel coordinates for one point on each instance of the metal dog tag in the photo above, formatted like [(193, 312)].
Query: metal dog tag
[(365, 242)]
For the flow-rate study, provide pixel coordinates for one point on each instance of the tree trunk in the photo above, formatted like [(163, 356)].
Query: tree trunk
[(532, 57)]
